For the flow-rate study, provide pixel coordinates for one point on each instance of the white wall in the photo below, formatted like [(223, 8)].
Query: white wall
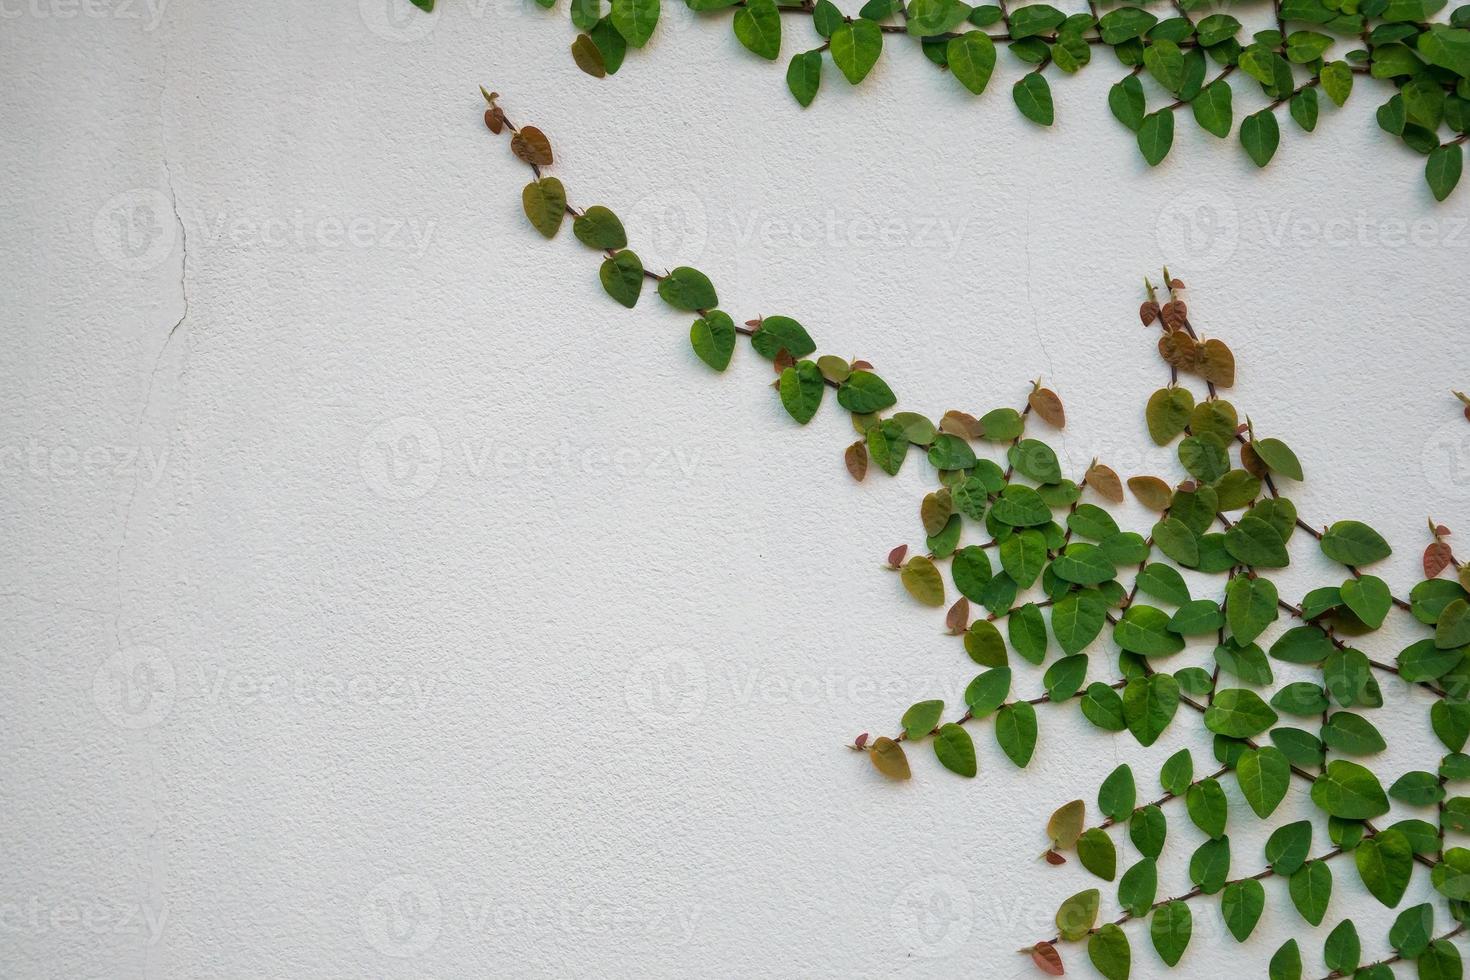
[(259, 695)]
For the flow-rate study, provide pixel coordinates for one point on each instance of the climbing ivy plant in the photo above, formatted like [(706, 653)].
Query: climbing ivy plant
[(1211, 66), (1030, 566)]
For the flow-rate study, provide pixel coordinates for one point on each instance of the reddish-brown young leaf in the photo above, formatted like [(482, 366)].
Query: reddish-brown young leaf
[(1440, 531), (856, 459), (1045, 403), (1148, 313), (1174, 313), (1180, 350), (861, 740), (783, 360), (1048, 959), (1102, 479), (1436, 559), (1187, 486), (1176, 283), (896, 556), (958, 617), (1217, 363), (494, 119), (861, 366), (1054, 859), (756, 323), (1467, 413), (934, 511), (1252, 462), (532, 146)]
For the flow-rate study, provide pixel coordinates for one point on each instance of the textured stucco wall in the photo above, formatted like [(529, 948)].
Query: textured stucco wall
[(380, 599)]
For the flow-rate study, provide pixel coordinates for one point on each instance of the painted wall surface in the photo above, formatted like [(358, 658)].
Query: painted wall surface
[(380, 599)]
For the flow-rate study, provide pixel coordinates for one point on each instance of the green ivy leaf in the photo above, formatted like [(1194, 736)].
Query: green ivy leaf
[(1442, 169), (1167, 413), (971, 58), (1302, 645), (1149, 704), (1033, 97), (1239, 713), (1156, 135), (1349, 791), (1343, 951), (1138, 887), (1205, 802), (1288, 846), (1165, 62), (1077, 914), (1170, 929), (1126, 100), (1251, 605), (1144, 630), (1311, 889), (1352, 734), (1368, 597), (1209, 866), (801, 388), (1385, 863), (599, 228), (1440, 962), (855, 48), (804, 76), (778, 333), (635, 20), (922, 718), (622, 279), (758, 26), (1109, 951), (1103, 706), (1255, 543), (955, 749), (1015, 731), (1242, 904), (923, 581), (1096, 852), (1264, 775), (689, 289), (864, 392), (1118, 794), (1260, 136), (1286, 962), (1213, 109), (1354, 543), (1337, 81)]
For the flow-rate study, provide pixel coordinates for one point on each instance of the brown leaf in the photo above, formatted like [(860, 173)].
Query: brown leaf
[(1176, 283), (1045, 403), (756, 323), (1465, 576), (494, 119), (1217, 363), (532, 146), (895, 557), (1251, 462), (1188, 486), (861, 740), (1047, 958), (1054, 859), (1174, 313), (961, 424), (958, 617), (861, 366), (856, 459), (935, 511), (1180, 350), (1102, 479), (1152, 492), (588, 56), (1467, 413), (1148, 312), (783, 360), (1436, 559), (888, 758), (1441, 531)]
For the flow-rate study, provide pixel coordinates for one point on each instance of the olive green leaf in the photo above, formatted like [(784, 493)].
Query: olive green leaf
[(1163, 582), (1032, 95), (635, 19), (1368, 597), (1109, 951), (599, 228), (545, 203), (689, 289), (1251, 605), (1239, 713), (1451, 876), (1027, 631), (1170, 929), (1174, 538), (988, 691), (1015, 732), (1020, 506), (622, 279), (1385, 863), (985, 645), (1023, 555), (1349, 791), (588, 56), (1264, 775), (955, 749), (1149, 704), (804, 76), (923, 581), (1096, 852), (801, 387), (1255, 543), (887, 446), (1083, 564), (971, 571), (1168, 413), (1077, 618), (888, 758), (1065, 825), (922, 718), (1337, 81), (1354, 543), (1125, 24), (855, 48), (1077, 914), (1002, 424), (758, 26), (1177, 773), (1453, 628), (1310, 888)]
